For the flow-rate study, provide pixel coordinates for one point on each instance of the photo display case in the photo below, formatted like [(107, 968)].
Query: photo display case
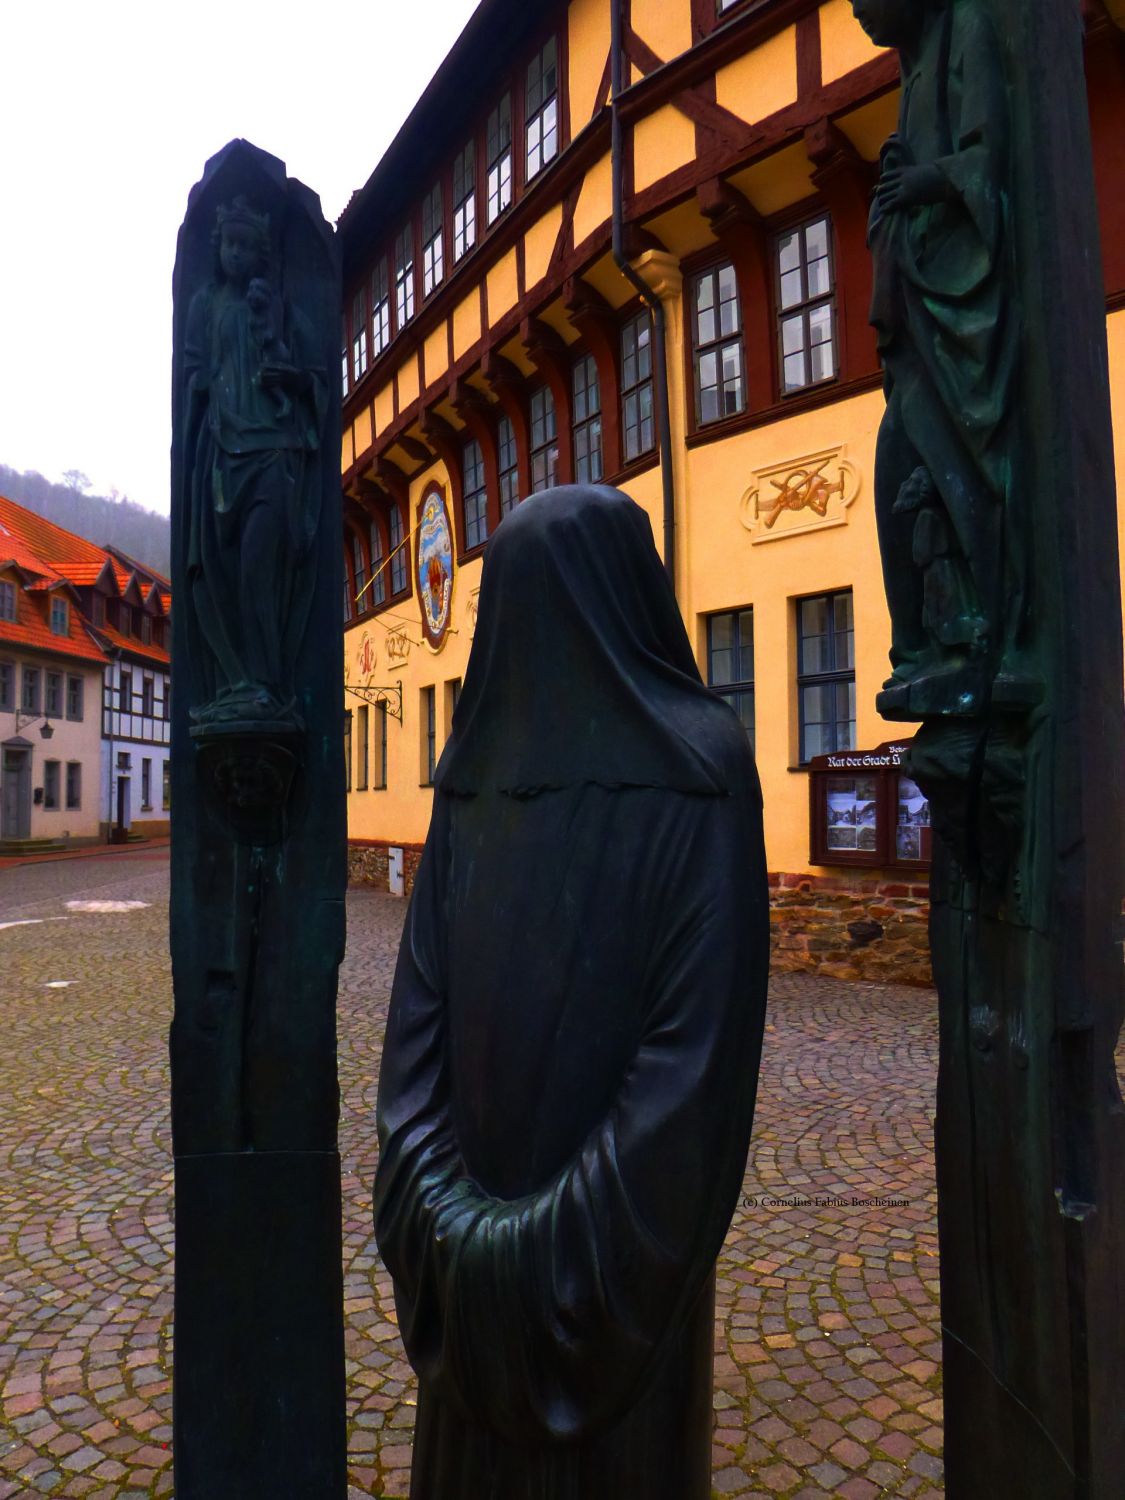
[(865, 810)]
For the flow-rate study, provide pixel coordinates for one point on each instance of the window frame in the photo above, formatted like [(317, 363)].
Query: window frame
[(60, 607), (54, 699), (8, 592), (405, 300), (739, 686), (9, 685), (30, 677), (379, 781), (52, 785), (381, 332), (75, 697), (73, 786), (359, 336), (807, 306), (428, 728), (717, 345), (540, 453), (433, 240), (359, 574), (630, 390), (363, 733), (124, 702), (833, 676), (496, 149), (378, 589), (474, 496), (508, 474), (399, 551), (464, 171), (535, 114), (590, 425)]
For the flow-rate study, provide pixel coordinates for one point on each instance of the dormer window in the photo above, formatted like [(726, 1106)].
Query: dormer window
[(60, 615), (7, 601), (146, 629)]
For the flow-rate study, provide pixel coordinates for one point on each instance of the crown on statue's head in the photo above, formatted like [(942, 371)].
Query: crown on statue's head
[(240, 212)]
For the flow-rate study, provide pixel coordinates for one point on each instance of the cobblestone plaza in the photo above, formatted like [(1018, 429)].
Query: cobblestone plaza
[(827, 1376)]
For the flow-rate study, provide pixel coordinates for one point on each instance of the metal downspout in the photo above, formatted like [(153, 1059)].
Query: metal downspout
[(650, 299)]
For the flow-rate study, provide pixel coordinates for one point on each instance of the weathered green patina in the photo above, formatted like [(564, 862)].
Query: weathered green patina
[(997, 521)]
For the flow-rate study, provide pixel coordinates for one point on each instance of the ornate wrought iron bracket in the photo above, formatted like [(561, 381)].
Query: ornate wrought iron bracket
[(391, 696)]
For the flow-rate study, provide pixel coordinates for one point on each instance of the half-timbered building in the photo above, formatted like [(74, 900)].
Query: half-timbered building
[(624, 240)]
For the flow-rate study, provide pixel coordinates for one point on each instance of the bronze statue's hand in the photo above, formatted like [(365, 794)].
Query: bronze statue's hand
[(908, 187), (286, 378)]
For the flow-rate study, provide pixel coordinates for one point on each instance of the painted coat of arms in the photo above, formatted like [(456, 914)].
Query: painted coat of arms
[(802, 494), (435, 566)]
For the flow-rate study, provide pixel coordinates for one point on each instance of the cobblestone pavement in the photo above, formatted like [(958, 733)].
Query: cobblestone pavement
[(827, 1370)]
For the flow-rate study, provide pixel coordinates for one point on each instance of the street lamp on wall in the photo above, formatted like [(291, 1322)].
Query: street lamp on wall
[(46, 729)]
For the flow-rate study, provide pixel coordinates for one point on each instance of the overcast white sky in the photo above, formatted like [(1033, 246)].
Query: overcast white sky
[(108, 111)]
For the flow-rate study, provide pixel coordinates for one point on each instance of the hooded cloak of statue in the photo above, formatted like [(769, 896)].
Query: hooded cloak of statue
[(571, 1057)]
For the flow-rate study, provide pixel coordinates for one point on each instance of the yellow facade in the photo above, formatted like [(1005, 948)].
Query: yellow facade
[(736, 547)]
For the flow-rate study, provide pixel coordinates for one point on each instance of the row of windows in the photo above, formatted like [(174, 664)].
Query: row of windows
[(807, 344), (825, 690), (40, 691), (450, 215), (129, 619), (59, 617), (52, 778), (125, 699), (825, 670)]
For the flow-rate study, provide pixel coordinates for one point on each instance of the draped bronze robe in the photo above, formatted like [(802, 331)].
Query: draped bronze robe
[(571, 1058)]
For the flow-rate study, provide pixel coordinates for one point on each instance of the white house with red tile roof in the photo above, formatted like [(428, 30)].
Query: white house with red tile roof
[(118, 620)]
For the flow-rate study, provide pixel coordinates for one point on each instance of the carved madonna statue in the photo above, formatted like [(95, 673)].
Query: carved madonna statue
[(256, 400)]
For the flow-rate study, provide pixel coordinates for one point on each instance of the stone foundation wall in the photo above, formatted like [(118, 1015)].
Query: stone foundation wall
[(846, 925), (851, 926), (367, 863)]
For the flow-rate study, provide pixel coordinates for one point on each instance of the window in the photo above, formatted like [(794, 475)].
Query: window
[(362, 731), (826, 674), (362, 602), (74, 696), (379, 759), (544, 441), (7, 601), (125, 693), (343, 356), (146, 785), (166, 785), (51, 785), (404, 277), (542, 109), (433, 241), (720, 390), (398, 550), (7, 686), (99, 609), (499, 159), (73, 785), (806, 306), (60, 616), (378, 570), (464, 202), (146, 629), (359, 336), (587, 421), (730, 662), (347, 750), (429, 735), (475, 495), (380, 310), (54, 695), (509, 465), (638, 427), (148, 697), (349, 604), (29, 694), (166, 705)]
